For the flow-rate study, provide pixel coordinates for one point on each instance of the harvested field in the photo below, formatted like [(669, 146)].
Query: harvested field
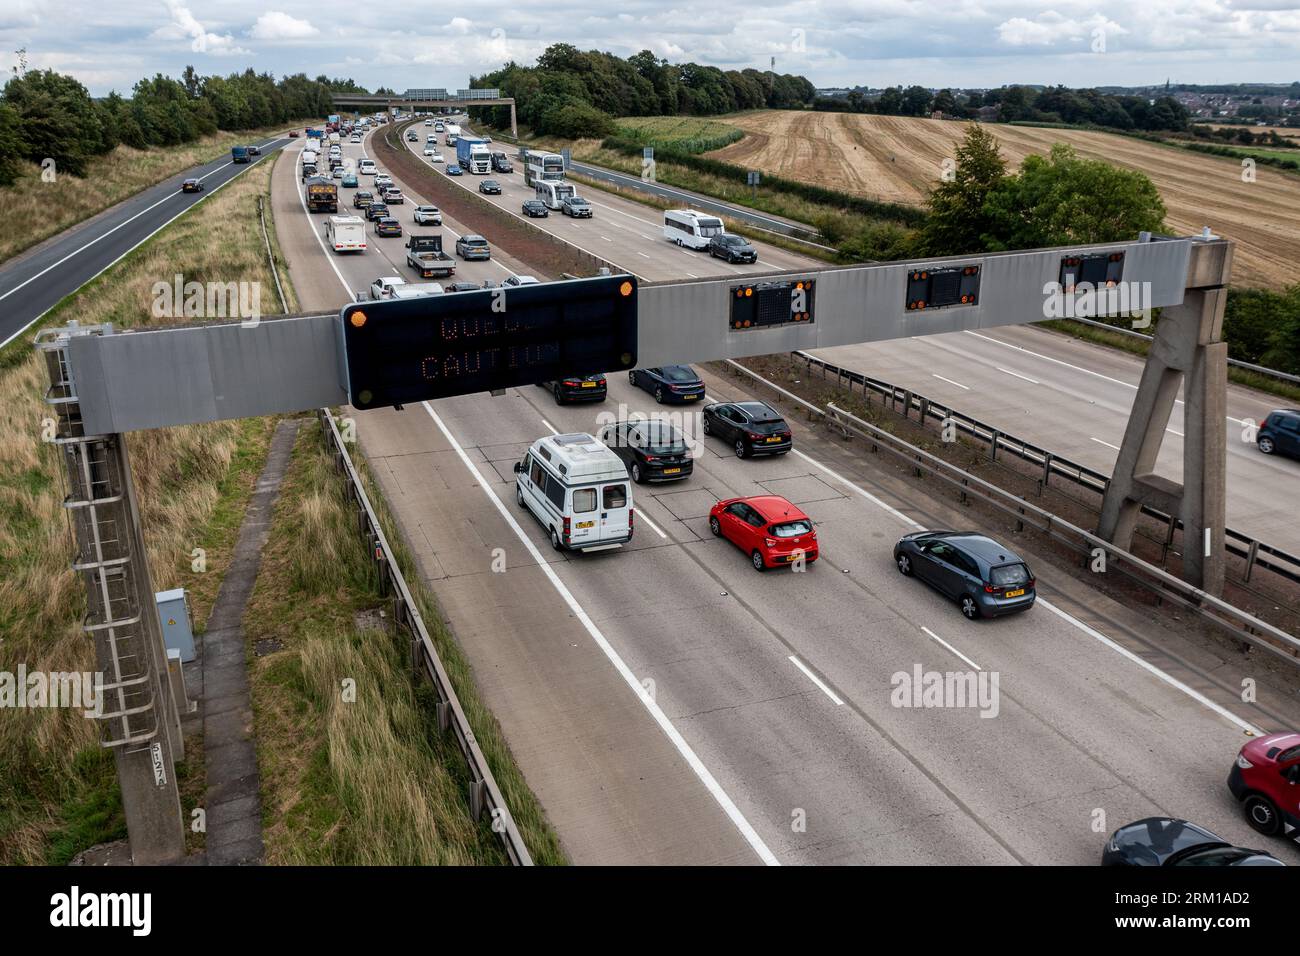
[(899, 158)]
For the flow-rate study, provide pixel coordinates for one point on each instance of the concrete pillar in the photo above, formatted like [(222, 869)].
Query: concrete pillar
[(1187, 350), (514, 127)]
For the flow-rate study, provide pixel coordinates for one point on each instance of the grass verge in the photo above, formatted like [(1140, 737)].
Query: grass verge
[(47, 208), (59, 794), (354, 770)]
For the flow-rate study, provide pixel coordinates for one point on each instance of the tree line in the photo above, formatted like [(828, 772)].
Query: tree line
[(1011, 104), (575, 93), (48, 115)]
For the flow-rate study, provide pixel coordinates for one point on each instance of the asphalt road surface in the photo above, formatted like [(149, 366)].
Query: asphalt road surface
[(669, 704)]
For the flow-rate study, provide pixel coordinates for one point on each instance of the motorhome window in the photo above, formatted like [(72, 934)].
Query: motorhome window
[(584, 500), (545, 453), (555, 491), (615, 496), (536, 473)]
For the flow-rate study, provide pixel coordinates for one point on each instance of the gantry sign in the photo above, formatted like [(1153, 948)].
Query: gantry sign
[(373, 354)]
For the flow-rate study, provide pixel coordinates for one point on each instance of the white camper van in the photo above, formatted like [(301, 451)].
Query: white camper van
[(579, 490)]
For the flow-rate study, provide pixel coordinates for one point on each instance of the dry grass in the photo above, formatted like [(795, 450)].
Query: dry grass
[(900, 159), (363, 781), (58, 790), (46, 209)]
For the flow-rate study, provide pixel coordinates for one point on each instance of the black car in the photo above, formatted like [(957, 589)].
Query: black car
[(1162, 841), (752, 428), (461, 286), (732, 248), (1280, 433), (652, 450), (376, 210), (192, 186), (669, 383), (489, 187), (984, 577), (362, 198), (536, 209), (387, 226), (578, 388)]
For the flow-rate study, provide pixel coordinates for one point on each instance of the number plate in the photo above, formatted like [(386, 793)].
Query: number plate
[(588, 384), (672, 471), (774, 439), (1015, 593), (689, 398), (586, 524)]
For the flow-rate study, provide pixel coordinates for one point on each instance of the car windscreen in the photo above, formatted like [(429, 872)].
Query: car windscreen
[(1009, 574), (790, 529)]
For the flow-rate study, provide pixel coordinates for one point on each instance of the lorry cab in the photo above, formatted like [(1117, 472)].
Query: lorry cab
[(578, 490)]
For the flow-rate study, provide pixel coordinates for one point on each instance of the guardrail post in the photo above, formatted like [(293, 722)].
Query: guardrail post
[(964, 484), (993, 444), (477, 799), (1250, 560), (1048, 458), (907, 404), (1020, 522)]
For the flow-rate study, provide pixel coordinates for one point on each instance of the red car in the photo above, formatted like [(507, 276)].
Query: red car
[(1266, 779), (770, 529)]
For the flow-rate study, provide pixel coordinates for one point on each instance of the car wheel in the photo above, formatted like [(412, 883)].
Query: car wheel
[(740, 448), (756, 559), (636, 472), (1262, 815), (659, 394), (555, 390), (704, 424), (969, 608), (1266, 445), (715, 527), (519, 493), (555, 540), (905, 565)]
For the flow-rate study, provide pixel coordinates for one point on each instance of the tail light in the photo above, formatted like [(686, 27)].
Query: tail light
[(992, 589), (650, 458), (1030, 583), (567, 528), (631, 518), (572, 383), (755, 436)]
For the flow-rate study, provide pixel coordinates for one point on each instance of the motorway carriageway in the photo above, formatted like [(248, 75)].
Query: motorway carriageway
[(1068, 396), (36, 280), (668, 704)]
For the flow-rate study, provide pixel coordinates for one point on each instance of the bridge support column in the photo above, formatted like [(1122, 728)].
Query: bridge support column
[(1187, 350), (514, 127)]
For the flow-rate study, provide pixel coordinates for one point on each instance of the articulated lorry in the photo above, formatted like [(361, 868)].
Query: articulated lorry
[(474, 155), (424, 255), (322, 195)]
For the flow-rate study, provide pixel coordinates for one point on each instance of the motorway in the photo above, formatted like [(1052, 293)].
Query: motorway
[(1068, 396), (668, 704), (34, 281)]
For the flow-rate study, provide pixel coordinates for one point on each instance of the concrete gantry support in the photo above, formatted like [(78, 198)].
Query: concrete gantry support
[(1187, 350), (514, 126)]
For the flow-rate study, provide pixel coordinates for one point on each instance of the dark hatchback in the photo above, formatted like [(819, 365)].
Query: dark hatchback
[(652, 450), (387, 226), (535, 209), (1280, 433), (1163, 841), (751, 428), (983, 577), (732, 248), (376, 210), (669, 383), (490, 187), (191, 186), (578, 388)]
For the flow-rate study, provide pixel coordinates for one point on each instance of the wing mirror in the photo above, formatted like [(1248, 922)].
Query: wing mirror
[(519, 466)]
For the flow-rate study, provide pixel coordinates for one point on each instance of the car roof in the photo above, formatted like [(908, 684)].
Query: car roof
[(775, 508), (759, 411), (656, 428), (983, 547)]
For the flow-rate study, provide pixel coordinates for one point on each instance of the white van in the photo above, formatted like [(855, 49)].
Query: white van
[(579, 490), (368, 167), (686, 227), (346, 233)]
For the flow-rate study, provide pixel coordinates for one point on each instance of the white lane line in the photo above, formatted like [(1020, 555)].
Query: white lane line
[(702, 772), (951, 648), (951, 382), (119, 258), (607, 239), (1065, 615), (816, 680), (1151, 668), (692, 275), (1007, 371), (1106, 443), (643, 255)]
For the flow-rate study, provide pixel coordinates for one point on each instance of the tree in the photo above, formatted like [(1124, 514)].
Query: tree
[(12, 147), (958, 221), (1064, 200)]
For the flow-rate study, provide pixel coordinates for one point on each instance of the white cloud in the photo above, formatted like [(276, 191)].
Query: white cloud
[(185, 23), (280, 26)]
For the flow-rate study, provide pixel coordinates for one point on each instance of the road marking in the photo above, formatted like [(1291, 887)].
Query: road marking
[(951, 382), (862, 491), (816, 680), (1106, 443), (110, 265), (607, 239), (1031, 381), (692, 275), (951, 648), (702, 772), (643, 255)]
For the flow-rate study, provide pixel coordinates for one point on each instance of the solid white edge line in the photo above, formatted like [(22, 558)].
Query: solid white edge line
[(816, 680), (110, 265), (951, 648), (702, 772)]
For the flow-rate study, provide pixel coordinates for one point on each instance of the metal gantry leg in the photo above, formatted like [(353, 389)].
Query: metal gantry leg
[(137, 714)]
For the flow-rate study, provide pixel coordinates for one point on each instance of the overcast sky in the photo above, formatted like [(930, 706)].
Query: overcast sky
[(109, 44)]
